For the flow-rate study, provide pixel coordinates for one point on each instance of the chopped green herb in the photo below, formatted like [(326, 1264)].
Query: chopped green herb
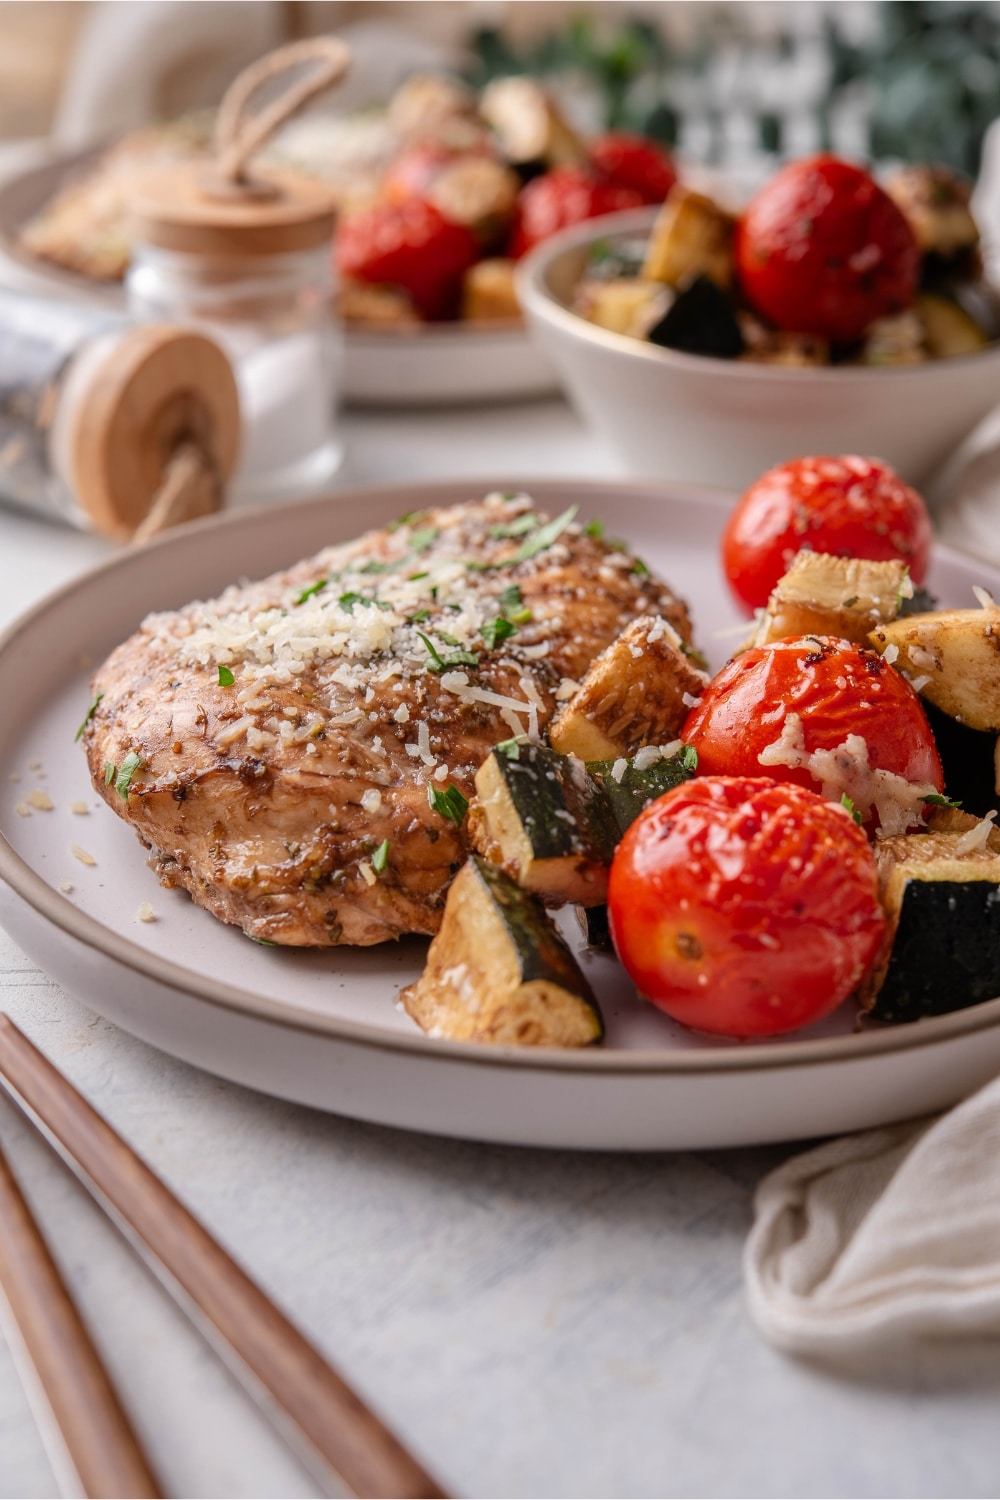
[(421, 614), (850, 603), (415, 577), (91, 711), (480, 567), (226, 678), (411, 516), (518, 527), (450, 804), (848, 806), (381, 857), (495, 631), (439, 663), (639, 567), (693, 654), (510, 748), (314, 588), (594, 529), (110, 772), (510, 598), (937, 800), (449, 640), (349, 600), (689, 758), (374, 566), (422, 538), (544, 536), (263, 942), (126, 771)]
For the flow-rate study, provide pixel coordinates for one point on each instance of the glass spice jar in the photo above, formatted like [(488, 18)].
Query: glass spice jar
[(245, 256)]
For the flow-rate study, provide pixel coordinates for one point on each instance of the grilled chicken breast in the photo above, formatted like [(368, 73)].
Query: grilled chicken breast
[(297, 752)]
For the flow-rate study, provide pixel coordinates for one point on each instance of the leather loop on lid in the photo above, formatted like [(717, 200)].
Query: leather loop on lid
[(239, 133), (220, 209)]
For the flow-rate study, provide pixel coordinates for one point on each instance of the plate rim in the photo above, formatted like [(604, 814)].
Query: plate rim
[(53, 907)]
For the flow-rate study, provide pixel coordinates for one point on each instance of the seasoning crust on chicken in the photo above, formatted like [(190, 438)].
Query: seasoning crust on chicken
[(297, 752)]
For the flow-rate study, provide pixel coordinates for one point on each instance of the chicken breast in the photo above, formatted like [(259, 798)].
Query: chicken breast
[(297, 753)]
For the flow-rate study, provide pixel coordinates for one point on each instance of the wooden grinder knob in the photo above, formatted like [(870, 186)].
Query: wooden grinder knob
[(160, 390)]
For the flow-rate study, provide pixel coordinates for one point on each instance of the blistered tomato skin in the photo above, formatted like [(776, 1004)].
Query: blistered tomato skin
[(823, 250), (633, 161), (847, 506), (830, 691), (407, 244), (744, 907), (565, 196)]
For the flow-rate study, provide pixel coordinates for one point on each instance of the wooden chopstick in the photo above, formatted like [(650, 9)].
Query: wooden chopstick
[(317, 1411), (99, 1445)]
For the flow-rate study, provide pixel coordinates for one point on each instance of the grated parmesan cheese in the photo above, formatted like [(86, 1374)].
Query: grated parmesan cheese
[(891, 653), (145, 912), (618, 769), (978, 837), (82, 855), (40, 800)]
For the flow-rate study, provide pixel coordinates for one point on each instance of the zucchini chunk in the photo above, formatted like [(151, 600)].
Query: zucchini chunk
[(953, 659), (637, 693), (634, 787), (935, 201), (948, 328), (546, 822), (941, 893), (594, 925), (968, 759), (825, 595), (529, 129), (625, 305), (700, 320), (498, 971), (488, 293), (692, 236)]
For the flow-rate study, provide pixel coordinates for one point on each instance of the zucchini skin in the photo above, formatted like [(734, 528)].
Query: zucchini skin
[(941, 965), (543, 783), (637, 789)]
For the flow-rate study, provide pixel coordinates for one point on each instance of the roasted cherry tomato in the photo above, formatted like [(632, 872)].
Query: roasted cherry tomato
[(825, 714), (411, 173), (852, 507), (823, 250), (564, 196), (633, 161), (409, 245), (744, 906)]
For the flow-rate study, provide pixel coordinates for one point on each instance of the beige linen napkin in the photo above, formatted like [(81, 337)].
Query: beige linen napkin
[(885, 1237)]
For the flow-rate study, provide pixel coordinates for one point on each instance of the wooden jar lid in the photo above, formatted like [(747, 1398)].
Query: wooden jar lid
[(160, 389), (188, 209)]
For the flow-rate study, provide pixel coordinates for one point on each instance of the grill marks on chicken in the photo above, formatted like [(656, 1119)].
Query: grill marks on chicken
[(366, 682)]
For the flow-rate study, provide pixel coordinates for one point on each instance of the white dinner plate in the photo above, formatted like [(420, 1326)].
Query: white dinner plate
[(324, 1027), (439, 364)]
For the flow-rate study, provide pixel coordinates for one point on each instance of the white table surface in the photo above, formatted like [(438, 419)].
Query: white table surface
[(532, 1323)]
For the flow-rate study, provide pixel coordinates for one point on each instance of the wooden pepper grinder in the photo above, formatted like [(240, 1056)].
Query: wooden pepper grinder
[(121, 429)]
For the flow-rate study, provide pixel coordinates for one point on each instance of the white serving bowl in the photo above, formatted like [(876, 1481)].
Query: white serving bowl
[(723, 422)]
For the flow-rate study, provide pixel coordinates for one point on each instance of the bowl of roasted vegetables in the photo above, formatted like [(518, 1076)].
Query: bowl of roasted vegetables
[(830, 313), (441, 191)]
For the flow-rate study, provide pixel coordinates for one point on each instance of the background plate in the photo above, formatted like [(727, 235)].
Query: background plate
[(443, 364), (324, 1028)]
